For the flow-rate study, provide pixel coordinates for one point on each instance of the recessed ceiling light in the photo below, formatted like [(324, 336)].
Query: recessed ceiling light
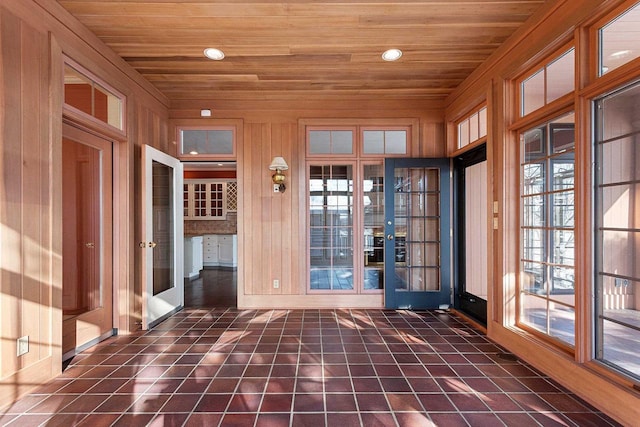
[(392, 55), (213, 53)]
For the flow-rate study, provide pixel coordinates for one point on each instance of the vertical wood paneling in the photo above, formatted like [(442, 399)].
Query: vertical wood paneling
[(26, 206), (11, 192), (33, 184), (278, 206)]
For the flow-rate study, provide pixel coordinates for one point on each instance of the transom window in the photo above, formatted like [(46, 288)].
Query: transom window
[(618, 41), (472, 128), (387, 142), (218, 142), (87, 96), (548, 83)]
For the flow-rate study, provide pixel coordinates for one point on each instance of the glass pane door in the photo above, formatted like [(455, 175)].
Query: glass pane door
[(162, 189), (417, 228), (163, 230)]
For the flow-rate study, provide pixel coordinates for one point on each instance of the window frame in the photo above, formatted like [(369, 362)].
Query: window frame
[(360, 141), (206, 156), (466, 117), (548, 228), (75, 114), (358, 160), (542, 66)]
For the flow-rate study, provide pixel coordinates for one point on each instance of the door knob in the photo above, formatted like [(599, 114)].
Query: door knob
[(389, 236), (90, 245), (152, 244)]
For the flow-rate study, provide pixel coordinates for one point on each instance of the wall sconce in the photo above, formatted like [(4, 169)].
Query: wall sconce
[(278, 164)]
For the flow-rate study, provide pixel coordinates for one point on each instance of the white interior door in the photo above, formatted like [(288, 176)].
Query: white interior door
[(163, 263)]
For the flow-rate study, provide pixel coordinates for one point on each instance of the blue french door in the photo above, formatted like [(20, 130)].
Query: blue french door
[(417, 195)]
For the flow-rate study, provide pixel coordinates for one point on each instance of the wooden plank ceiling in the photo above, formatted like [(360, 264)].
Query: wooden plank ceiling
[(303, 48)]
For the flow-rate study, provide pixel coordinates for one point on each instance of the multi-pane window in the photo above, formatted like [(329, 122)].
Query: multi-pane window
[(207, 199), (619, 41), (472, 128), (617, 241), (86, 95), (548, 83), (373, 214), (323, 141), (547, 226), (384, 142), (331, 244), (218, 142)]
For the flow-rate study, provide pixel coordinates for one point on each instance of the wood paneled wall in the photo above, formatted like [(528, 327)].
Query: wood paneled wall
[(271, 234), (553, 26), (30, 245), (35, 35)]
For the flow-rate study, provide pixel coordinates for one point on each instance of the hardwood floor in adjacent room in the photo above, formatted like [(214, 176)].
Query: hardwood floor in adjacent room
[(214, 288)]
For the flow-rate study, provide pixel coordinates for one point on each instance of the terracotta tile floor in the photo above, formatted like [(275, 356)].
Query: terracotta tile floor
[(229, 367)]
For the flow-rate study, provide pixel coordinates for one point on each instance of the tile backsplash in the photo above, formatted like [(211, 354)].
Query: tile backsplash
[(229, 226)]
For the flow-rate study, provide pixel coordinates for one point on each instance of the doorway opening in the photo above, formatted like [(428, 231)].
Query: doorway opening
[(210, 234), (470, 251), (87, 244)]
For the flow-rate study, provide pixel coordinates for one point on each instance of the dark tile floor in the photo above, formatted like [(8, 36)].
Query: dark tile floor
[(229, 367)]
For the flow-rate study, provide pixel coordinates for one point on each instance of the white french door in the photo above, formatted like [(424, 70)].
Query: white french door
[(162, 257)]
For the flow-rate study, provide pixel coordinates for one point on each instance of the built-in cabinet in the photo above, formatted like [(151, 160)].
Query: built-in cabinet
[(220, 250), (193, 256)]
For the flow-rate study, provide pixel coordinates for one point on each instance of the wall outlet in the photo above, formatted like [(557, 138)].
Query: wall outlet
[(23, 345), (276, 283), (276, 188)]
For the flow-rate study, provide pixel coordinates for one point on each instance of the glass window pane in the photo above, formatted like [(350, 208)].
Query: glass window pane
[(534, 211), (220, 142), (533, 179), (110, 107), (533, 244), (86, 95), (331, 232), (618, 209), (373, 214), (482, 122), (206, 141), (621, 342), (619, 41), (560, 76), (193, 141), (463, 133), (473, 127), (535, 145), (319, 142), (534, 312), (562, 324), (533, 93), (618, 160), (548, 254), (342, 142), (373, 141), (618, 238), (395, 142)]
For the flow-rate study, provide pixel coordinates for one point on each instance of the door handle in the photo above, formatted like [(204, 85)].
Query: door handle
[(152, 244), (90, 245), (389, 236)]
